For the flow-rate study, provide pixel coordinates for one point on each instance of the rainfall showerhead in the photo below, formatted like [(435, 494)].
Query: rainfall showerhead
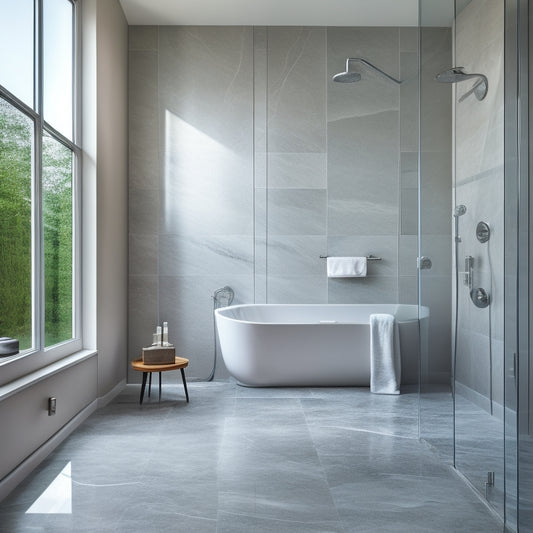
[(458, 74), (349, 76)]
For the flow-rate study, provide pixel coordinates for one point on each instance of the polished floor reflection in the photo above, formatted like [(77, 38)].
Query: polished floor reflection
[(248, 460)]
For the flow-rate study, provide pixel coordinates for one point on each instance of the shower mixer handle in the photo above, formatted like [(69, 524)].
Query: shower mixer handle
[(480, 297), (469, 271)]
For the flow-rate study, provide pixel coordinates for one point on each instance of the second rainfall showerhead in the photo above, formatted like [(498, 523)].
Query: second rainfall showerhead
[(350, 76), (458, 74)]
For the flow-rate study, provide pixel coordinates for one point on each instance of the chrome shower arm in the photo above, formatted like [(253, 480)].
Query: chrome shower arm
[(370, 65)]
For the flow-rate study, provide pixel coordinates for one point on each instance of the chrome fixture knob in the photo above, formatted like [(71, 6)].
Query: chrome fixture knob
[(480, 297), (482, 232)]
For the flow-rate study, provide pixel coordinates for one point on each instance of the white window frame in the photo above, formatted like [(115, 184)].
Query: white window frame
[(39, 356)]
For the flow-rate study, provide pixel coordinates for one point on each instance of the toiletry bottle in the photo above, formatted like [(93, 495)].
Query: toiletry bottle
[(165, 333)]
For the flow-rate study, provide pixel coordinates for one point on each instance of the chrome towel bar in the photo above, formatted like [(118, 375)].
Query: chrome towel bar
[(369, 257)]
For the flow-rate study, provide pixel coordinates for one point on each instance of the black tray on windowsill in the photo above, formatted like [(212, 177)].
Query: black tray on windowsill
[(8, 346)]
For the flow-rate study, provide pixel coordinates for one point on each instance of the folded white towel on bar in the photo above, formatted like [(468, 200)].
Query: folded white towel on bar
[(346, 267), (385, 361)]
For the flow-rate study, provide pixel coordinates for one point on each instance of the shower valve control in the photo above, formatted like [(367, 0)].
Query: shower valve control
[(423, 263), (480, 297)]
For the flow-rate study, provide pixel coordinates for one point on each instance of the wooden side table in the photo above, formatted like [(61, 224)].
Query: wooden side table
[(179, 364)]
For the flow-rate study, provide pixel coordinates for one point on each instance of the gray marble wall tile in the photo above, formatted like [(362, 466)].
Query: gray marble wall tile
[(435, 98), (409, 39), (143, 37), (206, 187), (409, 212), (436, 193), (205, 255), (297, 211), (436, 207), (408, 290), (211, 65), (297, 170), (372, 94), (384, 246), (296, 89), (143, 255), (260, 169), (473, 367), (479, 127), (260, 245), (260, 73), (297, 289), (260, 66), (363, 175), (409, 91), (296, 254), (409, 170), (479, 179), (363, 131), (408, 252), (439, 249), (143, 315), (186, 303), (436, 295), (206, 115), (369, 290), (144, 208), (143, 120)]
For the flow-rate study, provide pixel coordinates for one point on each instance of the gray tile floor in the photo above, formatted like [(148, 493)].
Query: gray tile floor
[(248, 460)]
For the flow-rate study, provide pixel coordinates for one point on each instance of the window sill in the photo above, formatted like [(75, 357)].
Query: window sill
[(34, 376)]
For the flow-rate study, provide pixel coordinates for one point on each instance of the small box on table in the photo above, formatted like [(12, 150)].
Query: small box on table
[(159, 355)]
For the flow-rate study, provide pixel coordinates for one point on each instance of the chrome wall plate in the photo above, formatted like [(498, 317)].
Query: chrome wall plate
[(480, 297), (483, 232)]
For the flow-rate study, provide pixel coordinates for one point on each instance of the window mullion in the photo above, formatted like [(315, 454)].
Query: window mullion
[(38, 255), (39, 232)]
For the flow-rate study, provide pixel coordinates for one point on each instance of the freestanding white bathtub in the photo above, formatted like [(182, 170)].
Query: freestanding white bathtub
[(270, 345)]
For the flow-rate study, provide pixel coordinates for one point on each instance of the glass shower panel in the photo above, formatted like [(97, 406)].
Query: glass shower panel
[(461, 232), (478, 186), (292, 159)]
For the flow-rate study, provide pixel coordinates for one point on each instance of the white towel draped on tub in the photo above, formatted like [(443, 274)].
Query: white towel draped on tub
[(385, 363), (346, 267)]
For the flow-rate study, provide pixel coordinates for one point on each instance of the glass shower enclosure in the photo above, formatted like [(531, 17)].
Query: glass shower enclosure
[(467, 194)]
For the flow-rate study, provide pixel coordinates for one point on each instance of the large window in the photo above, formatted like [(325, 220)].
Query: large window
[(39, 265)]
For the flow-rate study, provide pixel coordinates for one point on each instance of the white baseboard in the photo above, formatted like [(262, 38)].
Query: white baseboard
[(111, 395), (25, 468)]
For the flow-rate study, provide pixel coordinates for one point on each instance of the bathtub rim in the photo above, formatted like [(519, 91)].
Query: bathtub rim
[(423, 312)]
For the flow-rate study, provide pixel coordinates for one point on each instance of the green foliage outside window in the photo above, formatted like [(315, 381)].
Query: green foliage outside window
[(16, 137), (57, 227)]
